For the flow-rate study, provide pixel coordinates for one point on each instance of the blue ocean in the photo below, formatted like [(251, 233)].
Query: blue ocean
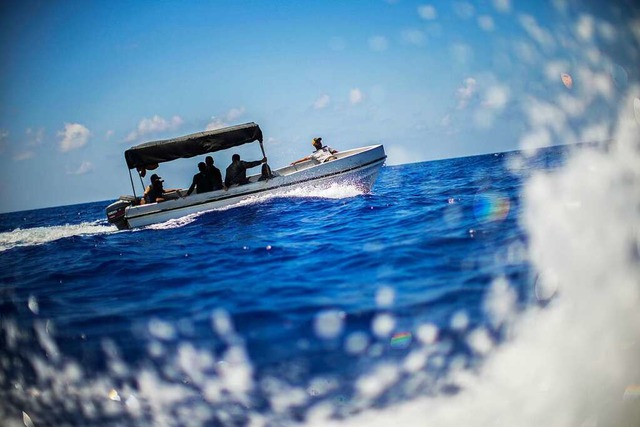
[(320, 307)]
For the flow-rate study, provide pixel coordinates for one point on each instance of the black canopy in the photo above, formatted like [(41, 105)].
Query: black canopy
[(196, 144)]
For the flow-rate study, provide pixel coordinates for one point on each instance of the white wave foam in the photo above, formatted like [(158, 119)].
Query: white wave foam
[(177, 222), (41, 235), (334, 191)]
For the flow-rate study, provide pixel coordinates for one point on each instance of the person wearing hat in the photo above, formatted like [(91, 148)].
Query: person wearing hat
[(323, 153), (156, 193)]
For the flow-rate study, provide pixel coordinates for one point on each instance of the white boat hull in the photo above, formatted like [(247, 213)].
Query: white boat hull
[(357, 167)]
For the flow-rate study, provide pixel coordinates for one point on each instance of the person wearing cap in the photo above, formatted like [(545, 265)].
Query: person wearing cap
[(156, 193), (237, 170), (201, 181), (323, 153)]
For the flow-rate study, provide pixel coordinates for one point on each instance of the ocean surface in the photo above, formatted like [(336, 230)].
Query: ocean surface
[(325, 306)]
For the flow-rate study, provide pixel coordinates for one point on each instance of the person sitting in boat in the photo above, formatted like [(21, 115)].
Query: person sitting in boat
[(155, 192), (201, 181), (214, 174), (321, 155), (237, 170)]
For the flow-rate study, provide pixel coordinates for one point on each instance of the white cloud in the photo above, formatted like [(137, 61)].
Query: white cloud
[(235, 113), (585, 27), (526, 52), (108, 134), (414, 36), (355, 96), (535, 31), (84, 168), (496, 97), (321, 102), (544, 114), (573, 106), (466, 92), (554, 69), (486, 23), (221, 122), (607, 31), (503, 6), (154, 125), (34, 137), (216, 123), (427, 12), (74, 136), (378, 43), (23, 155)]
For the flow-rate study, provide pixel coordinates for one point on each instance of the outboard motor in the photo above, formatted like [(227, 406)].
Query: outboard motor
[(116, 211)]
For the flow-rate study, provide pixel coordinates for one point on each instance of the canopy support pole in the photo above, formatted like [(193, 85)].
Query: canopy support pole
[(133, 186), (262, 148)]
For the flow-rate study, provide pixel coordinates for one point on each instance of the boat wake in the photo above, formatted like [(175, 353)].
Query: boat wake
[(334, 191), (41, 235)]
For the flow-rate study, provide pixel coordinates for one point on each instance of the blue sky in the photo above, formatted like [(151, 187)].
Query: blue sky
[(82, 81)]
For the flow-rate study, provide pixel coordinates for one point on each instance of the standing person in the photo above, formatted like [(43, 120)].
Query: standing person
[(214, 174), (201, 181), (322, 153), (156, 193), (237, 170)]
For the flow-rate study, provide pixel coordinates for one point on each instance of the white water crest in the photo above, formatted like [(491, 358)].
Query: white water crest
[(41, 235), (176, 222), (333, 191), (572, 362)]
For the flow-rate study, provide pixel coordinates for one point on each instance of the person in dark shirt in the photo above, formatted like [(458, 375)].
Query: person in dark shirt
[(214, 173), (237, 170), (201, 181), (156, 193)]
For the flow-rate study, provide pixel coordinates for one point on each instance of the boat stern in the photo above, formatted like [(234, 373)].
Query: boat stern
[(116, 212)]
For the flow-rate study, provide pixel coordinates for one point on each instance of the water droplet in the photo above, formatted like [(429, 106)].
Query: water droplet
[(428, 333), (385, 297), (383, 324), (328, 324), (161, 330), (26, 419), (33, 305), (356, 343), (459, 321), (113, 395)]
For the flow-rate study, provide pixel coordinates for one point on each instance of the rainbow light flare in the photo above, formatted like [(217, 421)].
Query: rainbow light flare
[(401, 340), (491, 207), (632, 392)]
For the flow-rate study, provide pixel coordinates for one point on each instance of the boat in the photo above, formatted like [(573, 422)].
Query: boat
[(358, 167)]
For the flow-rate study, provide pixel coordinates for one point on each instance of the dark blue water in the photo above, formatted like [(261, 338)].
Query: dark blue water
[(308, 293)]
